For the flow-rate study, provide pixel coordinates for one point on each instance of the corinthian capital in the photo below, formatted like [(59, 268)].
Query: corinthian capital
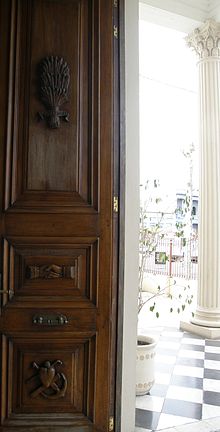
[(205, 40)]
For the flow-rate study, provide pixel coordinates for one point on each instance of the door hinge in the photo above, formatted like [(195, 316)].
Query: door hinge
[(115, 3), (111, 424), (115, 204), (115, 28)]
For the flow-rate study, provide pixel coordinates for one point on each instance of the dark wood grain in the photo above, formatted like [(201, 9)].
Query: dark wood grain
[(59, 237)]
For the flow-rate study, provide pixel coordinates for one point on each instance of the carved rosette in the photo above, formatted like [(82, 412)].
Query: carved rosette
[(205, 40)]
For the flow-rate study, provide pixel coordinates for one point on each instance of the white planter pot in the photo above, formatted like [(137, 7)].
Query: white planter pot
[(145, 370)]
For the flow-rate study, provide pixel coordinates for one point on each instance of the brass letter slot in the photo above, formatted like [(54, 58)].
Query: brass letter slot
[(50, 320)]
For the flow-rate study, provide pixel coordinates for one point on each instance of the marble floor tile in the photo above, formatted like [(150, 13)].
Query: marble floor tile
[(212, 349), (150, 403), (162, 378), (194, 347), (191, 354), (169, 345), (193, 362), (183, 408), (159, 390), (187, 340), (187, 381), (211, 385), (212, 364), (209, 411), (168, 359), (212, 356), (211, 374), (168, 420), (188, 371), (211, 398), (185, 394), (146, 419)]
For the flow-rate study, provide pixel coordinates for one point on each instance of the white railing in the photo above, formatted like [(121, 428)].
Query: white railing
[(174, 258)]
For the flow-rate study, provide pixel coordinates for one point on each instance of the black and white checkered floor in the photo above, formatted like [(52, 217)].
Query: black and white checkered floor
[(187, 385)]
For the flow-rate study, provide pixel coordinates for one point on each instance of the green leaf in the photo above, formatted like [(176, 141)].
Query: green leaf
[(157, 314)]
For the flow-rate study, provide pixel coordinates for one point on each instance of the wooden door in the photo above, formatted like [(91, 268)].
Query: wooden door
[(56, 224)]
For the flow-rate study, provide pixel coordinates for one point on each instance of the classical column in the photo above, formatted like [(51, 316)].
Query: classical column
[(206, 42)]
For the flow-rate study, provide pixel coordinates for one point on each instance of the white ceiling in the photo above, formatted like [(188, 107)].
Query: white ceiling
[(183, 15)]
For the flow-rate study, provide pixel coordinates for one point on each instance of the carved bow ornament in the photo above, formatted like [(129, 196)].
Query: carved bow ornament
[(53, 384), (54, 78)]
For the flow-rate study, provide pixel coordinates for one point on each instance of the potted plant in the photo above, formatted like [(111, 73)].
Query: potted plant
[(149, 237)]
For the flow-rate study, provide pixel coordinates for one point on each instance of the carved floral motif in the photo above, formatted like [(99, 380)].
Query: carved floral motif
[(205, 40), (54, 78)]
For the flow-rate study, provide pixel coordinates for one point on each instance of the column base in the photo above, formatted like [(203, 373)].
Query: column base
[(206, 317), (206, 332)]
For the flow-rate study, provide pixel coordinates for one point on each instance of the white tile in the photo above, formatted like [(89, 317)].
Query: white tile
[(139, 429), (169, 345), (212, 349), (160, 358), (192, 341), (214, 423), (150, 403), (191, 354), (211, 385), (162, 378), (185, 393), (197, 426), (209, 411), (212, 364), (188, 371), (168, 420), (172, 334)]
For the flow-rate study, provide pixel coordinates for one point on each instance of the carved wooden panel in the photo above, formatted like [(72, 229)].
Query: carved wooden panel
[(47, 376), (53, 166), (58, 305), (48, 269)]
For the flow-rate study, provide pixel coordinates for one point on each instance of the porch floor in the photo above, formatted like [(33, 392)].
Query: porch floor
[(187, 385)]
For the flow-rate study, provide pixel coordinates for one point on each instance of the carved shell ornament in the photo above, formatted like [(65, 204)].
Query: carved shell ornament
[(54, 78)]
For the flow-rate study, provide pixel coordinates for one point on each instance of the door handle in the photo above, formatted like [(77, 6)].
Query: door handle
[(9, 291), (50, 320), (6, 292)]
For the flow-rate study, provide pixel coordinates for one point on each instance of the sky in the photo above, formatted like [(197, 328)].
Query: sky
[(168, 107)]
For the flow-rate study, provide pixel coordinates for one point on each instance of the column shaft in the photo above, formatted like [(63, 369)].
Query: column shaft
[(206, 42), (208, 310)]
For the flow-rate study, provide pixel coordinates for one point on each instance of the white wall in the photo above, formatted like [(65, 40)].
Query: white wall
[(131, 215), (184, 15)]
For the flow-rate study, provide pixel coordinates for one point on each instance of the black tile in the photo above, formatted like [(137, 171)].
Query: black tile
[(215, 343), (193, 362), (211, 398), (159, 390), (146, 419), (186, 381), (193, 347), (182, 408), (212, 374), (212, 356), (164, 367)]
